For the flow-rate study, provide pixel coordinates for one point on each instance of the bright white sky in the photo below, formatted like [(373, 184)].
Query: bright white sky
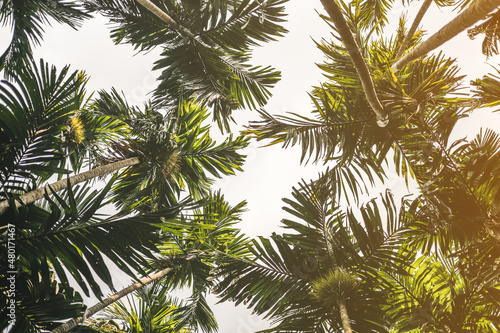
[(269, 172)]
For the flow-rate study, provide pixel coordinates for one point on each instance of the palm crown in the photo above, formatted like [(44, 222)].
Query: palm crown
[(205, 55)]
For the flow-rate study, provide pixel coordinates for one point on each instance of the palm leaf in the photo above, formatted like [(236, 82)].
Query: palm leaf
[(209, 62), (27, 19), (72, 238), (39, 308), (34, 111)]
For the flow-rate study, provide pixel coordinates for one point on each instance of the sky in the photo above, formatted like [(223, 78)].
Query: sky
[(269, 173)]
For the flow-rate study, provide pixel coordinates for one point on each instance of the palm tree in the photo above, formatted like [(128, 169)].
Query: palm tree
[(166, 154), (490, 29), (327, 273), (206, 48), (352, 48), (352, 271), (424, 115), (69, 238), (27, 19), (342, 132), (477, 11), (453, 221), (149, 310), (193, 249)]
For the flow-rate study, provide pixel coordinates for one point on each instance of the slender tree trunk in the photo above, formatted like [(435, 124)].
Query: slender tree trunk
[(354, 51), (344, 317), (413, 28), (37, 194), (154, 9), (477, 11), (111, 299)]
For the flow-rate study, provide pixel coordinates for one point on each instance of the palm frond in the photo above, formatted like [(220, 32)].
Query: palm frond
[(487, 90), (71, 237), (489, 28), (37, 307), (177, 150), (151, 308), (35, 111), (321, 238), (27, 19)]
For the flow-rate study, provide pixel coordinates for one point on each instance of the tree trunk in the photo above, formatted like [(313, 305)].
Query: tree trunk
[(165, 18), (413, 28), (37, 194), (344, 317), (111, 299), (477, 11), (354, 51)]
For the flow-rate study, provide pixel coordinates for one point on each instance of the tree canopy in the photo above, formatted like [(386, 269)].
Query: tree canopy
[(94, 187)]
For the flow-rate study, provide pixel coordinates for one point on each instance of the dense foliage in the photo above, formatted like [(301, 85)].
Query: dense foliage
[(135, 183)]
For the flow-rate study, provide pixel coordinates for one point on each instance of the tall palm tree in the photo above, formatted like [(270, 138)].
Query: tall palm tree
[(454, 216), (27, 19), (478, 10), (341, 130), (424, 116), (354, 51), (164, 155), (206, 48), (194, 247), (327, 273)]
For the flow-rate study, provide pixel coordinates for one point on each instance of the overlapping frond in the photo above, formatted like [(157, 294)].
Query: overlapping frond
[(487, 90), (489, 28), (207, 239), (78, 241), (436, 296), (279, 281), (35, 112), (27, 19), (206, 53), (150, 309), (177, 151), (37, 307)]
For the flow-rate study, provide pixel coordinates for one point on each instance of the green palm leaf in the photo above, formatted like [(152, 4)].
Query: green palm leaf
[(279, 281), (150, 309), (177, 151), (27, 19), (35, 110), (39, 308), (76, 241), (205, 57)]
